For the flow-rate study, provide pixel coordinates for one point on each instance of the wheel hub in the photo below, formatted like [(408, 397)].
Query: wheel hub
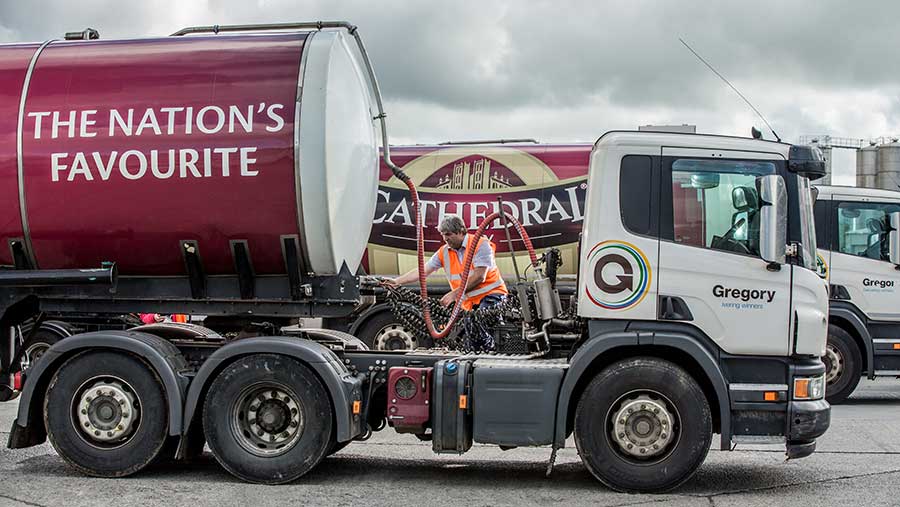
[(643, 426), (107, 411), (394, 337), (834, 364), (268, 420)]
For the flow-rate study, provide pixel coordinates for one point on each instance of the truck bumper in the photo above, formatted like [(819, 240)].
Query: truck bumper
[(795, 422), (808, 421)]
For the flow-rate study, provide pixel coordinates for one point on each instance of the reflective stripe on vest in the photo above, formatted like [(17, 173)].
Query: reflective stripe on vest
[(450, 277), (484, 290)]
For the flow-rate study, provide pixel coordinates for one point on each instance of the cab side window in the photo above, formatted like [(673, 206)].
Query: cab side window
[(715, 203), (862, 228)]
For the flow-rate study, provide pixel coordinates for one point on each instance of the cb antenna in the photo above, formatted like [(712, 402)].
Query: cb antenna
[(741, 95)]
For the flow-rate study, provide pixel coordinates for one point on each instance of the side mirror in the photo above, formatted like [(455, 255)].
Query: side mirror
[(807, 161), (894, 239), (773, 218)]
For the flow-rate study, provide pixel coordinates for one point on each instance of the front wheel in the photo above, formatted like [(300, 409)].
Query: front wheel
[(643, 425), (843, 365), (268, 419)]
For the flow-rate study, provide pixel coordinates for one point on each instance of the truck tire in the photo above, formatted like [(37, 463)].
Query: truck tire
[(843, 365), (42, 340), (643, 425), (268, 419), (383, 332), (106, 414)]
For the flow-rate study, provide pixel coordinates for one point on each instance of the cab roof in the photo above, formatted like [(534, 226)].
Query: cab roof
[(826, 191)]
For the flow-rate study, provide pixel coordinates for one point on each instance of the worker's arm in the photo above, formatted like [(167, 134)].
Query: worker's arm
[(410, 276)]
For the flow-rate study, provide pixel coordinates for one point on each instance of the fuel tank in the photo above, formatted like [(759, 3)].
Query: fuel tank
[(127, 150)]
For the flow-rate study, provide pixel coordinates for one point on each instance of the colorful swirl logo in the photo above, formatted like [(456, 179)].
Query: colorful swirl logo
[(821, 266), (621, 275)]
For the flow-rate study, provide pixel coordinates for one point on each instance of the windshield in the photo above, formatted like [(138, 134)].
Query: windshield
[(807, 224)]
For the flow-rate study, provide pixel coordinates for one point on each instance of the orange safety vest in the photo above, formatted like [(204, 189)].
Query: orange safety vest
[(453, 266)]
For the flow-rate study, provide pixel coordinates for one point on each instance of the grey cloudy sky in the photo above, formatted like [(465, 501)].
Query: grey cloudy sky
[(570, 70)]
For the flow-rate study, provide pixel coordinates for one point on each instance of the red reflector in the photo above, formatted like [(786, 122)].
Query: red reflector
[(18, 380)]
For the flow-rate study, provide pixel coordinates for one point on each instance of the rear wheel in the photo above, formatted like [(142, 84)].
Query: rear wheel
[(643, 425), (106, 414), (843, 365), (41, 341), (268, 419), (36, 347), (383, 332)]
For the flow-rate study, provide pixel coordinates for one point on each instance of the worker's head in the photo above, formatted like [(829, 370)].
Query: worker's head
[(453, 230)]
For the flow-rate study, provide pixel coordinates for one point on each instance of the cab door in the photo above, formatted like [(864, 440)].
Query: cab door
[(711, 274)]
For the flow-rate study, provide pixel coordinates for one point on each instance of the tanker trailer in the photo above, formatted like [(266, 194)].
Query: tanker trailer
[(208, 170)]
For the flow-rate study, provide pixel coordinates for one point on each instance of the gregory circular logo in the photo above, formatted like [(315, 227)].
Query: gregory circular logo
[(821, 266), (621, 275)]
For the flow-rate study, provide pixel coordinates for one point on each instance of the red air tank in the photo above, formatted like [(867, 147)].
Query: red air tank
[(123, 150)]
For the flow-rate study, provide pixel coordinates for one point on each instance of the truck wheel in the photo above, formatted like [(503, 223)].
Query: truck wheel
[(383, 332), (643, 425), (42, 340), (106, 414), (843, 365), (268, 419)]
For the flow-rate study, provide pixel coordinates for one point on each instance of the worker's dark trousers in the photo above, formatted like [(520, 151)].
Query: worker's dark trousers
[(479, 336)]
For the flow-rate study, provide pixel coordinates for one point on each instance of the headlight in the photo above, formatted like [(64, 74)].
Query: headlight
[(809, 388)]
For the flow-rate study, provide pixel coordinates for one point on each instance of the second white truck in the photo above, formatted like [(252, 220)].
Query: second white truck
[(859, 255)]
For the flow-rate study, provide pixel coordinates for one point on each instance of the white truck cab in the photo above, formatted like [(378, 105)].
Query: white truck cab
[(858, 256), (702, 239)]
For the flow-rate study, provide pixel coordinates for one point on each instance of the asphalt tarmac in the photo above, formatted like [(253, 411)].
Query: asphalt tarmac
[(855, 464)]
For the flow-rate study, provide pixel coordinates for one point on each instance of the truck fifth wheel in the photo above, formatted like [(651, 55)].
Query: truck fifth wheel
[(230, 171)]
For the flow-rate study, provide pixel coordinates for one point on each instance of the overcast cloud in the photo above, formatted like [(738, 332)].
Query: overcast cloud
[(568, 71)]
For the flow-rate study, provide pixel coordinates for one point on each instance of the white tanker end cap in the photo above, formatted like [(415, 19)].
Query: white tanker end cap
[(337, 152)]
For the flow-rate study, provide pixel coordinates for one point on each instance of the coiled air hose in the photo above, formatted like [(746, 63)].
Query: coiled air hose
[(467, 264)]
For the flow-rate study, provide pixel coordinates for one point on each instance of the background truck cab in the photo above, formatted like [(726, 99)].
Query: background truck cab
[(855, 228)]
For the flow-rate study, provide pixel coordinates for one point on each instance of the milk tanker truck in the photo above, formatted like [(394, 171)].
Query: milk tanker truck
[(225, 171)]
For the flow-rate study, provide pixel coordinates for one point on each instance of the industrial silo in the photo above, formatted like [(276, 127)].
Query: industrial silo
[(888, 175), (866, 166)]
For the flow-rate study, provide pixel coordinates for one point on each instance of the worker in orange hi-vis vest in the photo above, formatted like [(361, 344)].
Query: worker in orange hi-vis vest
[(484, 288)]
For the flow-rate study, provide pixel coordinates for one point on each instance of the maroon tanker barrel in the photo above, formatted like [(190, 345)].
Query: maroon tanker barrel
[(125, 150)]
